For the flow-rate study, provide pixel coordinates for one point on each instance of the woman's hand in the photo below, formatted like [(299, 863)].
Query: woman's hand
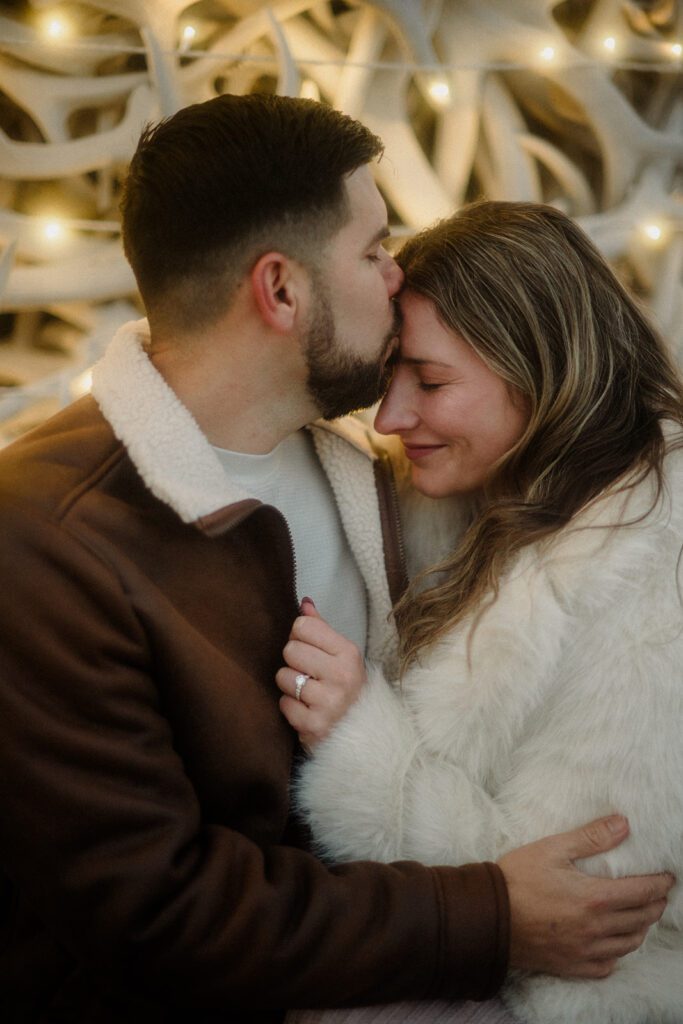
[(335, 670)]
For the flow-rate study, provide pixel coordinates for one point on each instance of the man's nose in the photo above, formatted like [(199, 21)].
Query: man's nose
[(393, 275)]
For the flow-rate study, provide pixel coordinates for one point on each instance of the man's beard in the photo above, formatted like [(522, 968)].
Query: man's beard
[(340, 382)]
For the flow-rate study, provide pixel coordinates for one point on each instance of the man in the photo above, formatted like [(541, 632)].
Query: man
[(149, 870)]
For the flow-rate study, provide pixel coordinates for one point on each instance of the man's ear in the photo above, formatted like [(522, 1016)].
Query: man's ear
[(276, 287)]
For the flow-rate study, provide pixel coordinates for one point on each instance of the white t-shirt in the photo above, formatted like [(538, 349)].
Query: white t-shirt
[(292, 479)]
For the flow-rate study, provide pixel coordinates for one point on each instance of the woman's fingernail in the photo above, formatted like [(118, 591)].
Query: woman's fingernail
[(306, 600)]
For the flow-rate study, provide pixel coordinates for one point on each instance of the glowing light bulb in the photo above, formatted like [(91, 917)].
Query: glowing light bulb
[(309, 90), (55, 27), (547, 53), (53, 230), (610, 44), (82, 384), (676, 49), (652, 231), (440, 91), (187, 37)]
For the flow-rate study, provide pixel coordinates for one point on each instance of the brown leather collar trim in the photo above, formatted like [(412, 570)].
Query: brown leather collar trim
[(224, 519)]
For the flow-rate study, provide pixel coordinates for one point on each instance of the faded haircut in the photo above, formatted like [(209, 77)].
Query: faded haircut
[(219, 183)]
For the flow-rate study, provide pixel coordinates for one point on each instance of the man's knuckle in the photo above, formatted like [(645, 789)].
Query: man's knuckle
[(627, 944), (649, 892), (596, 905), (638, 939), (591, 932), (601, 968), (594, 835)]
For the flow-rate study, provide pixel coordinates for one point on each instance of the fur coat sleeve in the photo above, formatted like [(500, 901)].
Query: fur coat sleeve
[(565, 703)]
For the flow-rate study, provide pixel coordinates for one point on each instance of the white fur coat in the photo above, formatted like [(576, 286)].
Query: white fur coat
[(571, 708)]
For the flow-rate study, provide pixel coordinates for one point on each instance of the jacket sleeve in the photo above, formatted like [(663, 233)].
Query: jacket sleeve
[(616, 745), (572, 711), (103, 832), (411, 769), (373, 790)]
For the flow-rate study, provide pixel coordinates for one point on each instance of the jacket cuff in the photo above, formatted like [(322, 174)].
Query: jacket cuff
[(475, 930)]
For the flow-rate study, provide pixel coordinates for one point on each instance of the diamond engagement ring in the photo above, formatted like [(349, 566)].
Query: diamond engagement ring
[(301, 679)]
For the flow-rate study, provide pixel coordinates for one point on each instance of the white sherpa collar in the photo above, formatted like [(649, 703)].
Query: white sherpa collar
[(163, 439)]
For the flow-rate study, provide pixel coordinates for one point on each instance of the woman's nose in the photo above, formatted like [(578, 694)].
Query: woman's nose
[(395, 413)]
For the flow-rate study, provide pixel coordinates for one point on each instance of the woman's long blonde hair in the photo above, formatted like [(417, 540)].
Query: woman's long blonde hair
[(533, 296)]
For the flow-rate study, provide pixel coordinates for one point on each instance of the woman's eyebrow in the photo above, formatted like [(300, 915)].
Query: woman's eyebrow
[(414, 361)]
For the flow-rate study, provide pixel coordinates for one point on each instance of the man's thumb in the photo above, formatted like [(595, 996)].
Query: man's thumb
[(597, 836)]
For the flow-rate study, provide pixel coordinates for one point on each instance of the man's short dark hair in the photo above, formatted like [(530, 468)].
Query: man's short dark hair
[(217, 184)]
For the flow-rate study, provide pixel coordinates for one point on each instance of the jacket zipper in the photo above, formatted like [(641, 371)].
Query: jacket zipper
[(392, 533)]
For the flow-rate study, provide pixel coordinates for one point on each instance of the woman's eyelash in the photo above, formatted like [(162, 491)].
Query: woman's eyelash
[(424, 386), (374, 256)]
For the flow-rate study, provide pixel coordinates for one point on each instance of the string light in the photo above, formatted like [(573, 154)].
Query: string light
[(56, 28), (188, 36), (55, 234), (82, 384), (652, 232), (440, 91), (309, 90), (52, 229), (610, 43)]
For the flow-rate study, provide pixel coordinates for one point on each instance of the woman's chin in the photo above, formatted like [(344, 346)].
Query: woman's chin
[(434, 485), (428, 484)]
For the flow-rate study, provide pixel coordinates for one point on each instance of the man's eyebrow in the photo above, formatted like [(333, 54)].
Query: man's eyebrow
[(379, 236)]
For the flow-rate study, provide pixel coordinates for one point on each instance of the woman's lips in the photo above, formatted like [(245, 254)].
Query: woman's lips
[(418, 451)]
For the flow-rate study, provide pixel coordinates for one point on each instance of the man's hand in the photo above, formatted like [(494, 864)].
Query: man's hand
[(570, 924)]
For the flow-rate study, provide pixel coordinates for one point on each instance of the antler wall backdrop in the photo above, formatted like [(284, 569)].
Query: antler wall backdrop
[(576, 103)]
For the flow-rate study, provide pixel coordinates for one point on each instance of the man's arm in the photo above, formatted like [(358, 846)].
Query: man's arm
[(570, 924), (152, 893), (104, 833)]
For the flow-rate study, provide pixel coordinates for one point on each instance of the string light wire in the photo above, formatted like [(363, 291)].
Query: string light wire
[(671, 66)]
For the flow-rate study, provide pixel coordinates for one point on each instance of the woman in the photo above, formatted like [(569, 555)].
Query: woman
[(542, 660)]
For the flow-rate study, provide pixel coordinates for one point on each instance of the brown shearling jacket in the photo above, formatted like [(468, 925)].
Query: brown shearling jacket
[(147, 868)]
